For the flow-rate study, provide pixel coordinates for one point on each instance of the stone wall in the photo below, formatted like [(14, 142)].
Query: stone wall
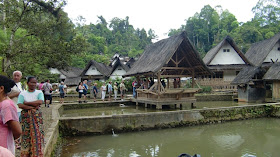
[(143, 121)]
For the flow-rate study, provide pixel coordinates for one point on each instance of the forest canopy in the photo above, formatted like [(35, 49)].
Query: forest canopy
[(37, 34)]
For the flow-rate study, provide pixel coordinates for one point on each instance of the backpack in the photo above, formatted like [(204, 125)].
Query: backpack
[(77, 89)]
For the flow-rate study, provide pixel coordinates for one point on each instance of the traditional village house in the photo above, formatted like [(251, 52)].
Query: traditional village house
[(265, 54), (250, 84), (96, 71), (170, 58), (225, 60), (118, 69), (70, 76)]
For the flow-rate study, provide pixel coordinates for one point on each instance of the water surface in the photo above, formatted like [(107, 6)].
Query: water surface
[(247, 138)]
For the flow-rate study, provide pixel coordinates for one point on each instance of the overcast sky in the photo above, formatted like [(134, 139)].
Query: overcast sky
[(158, 15)]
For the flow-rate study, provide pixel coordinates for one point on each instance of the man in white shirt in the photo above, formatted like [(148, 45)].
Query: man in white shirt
[(17, 75)]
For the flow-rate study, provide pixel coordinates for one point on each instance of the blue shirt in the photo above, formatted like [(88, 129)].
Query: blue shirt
[(95, 89), (86, 87), (110, 88)]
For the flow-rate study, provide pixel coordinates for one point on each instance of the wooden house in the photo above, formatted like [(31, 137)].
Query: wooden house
[(118, 69), (96, 71), (272, 76), (169, 58), (70, 76), (250, 85), (226, 61)]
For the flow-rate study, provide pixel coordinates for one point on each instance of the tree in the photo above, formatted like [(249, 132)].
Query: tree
[(38, 29)]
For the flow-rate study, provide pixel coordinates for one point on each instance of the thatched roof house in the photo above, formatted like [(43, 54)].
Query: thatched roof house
[(248, 74), (70, 76), (266, 51), (172, 57), (217, 53), (96, 71), (118, 68)]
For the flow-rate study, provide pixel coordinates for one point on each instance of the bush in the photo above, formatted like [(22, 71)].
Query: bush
[(206, 89)]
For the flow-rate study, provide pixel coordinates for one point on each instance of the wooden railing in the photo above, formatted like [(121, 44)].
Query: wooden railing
[(216, 83)]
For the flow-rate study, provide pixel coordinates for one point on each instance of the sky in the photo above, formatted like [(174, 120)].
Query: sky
[(158, 15)]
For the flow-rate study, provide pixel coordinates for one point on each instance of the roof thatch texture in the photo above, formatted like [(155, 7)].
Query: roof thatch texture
[(210, 55), (72, 72), (160, 54), (70, 81), (227, 67), (102, 68), (247, 74), (273, 73), (259, 51)]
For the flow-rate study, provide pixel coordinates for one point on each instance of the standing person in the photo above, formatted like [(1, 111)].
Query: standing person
[(81, 91), (10, 128), (116, 90), (40, 87), (134, 84), (94, 90), (122, 89), (85, 90), (17, 75), (15, 91), (62, 92), (47, 87), (103, 91), (110, 89), (32, 139)]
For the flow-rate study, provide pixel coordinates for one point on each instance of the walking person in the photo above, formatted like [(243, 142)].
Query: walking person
[(10, 128), (103, 91), (110, 89), (116, 90), (47, 87), (62, 92), (32, 139), (122, 90), (94, 90), (85, 90), (81, 91)]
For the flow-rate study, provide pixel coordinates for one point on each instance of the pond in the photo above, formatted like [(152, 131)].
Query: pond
[(131, 109), (247, 138)]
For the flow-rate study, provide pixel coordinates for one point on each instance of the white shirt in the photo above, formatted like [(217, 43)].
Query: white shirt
[(15, 89)]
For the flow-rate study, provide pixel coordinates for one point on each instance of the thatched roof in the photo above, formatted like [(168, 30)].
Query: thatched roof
[(118, 63), (248, 74), (165, 53), (102, 68), (72, 72), (70, 81), (259, 51), (273, 73), (130, 63), (227, 67), (210, 55)]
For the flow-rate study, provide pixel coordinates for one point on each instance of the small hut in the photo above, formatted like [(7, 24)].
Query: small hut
[(272, 76), (96, 71), (170, 58), (250, 86), (226, 60), (70, 76)]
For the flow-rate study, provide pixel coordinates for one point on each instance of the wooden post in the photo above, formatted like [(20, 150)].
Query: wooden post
[(168, 83), (159, 84), (192, 78)]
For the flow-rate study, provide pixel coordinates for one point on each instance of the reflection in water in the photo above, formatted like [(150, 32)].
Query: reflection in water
[(125, 109), (248, 138)]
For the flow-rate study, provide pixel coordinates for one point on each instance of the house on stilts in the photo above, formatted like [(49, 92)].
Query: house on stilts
[(226, 60), (170, 58)]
